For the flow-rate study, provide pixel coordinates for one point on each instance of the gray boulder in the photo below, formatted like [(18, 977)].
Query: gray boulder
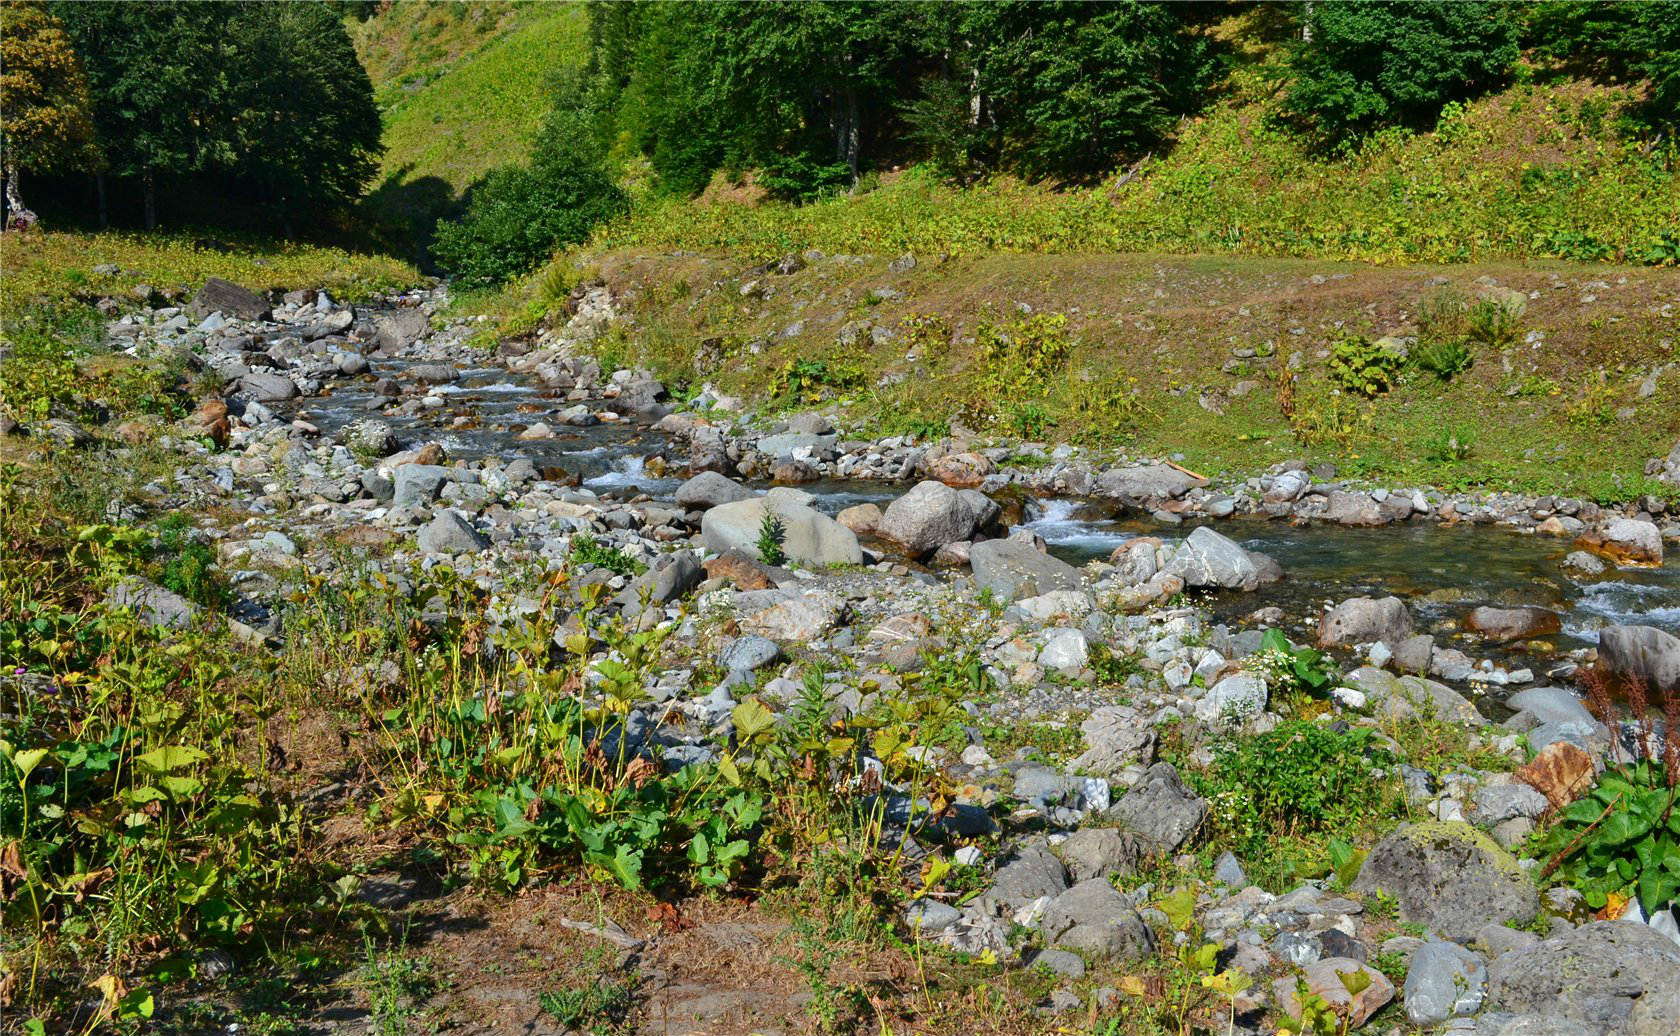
[(809, 536), (370, 437), (228, 299), (1449, 877), (1406, 697), (1642, 653), (1116, 736), (1097, 852), (1552, 714), (449, 533), (1354, 509), (401, 328), (1014, 568), (433, 373), (787, 443), (926, 518), (1093, 917), (153, 604), (1161, 808), (671, 576), (1234, 699), (710, 489), (416, 484), (1025, 875), (748, 653), (1142, 483), (265, 387), (1444, 980), (1605, 977), (1361, 620), (1206, 558)]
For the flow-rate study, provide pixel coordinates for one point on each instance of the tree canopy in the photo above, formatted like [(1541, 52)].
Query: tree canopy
[(46, 117)]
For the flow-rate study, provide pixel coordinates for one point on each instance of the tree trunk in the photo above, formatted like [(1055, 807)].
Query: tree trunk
[(1306, 22), (18, 215), (850, 146), (104, 211), (149, 194)]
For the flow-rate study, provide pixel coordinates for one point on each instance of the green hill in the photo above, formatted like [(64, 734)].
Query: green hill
[(462, 87)]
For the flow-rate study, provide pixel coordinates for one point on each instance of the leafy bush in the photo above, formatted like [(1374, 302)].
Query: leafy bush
[(1298, 779), (1374, 63), (587, 550), (1364, 367), (772, 532), (1622, 839), (1444, 359), (1450, 445), (1494, 324)]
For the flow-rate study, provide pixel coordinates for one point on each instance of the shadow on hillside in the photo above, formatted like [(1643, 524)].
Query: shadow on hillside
[(404, 213)]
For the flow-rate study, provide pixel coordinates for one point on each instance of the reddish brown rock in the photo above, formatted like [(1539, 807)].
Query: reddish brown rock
[(1513, 623), (742, 569), (961, 470), (1563, 772)]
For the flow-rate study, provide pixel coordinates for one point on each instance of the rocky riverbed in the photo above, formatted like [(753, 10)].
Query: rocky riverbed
[(380, 427)]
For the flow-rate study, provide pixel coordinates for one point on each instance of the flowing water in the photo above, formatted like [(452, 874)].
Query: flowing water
[(1441, 571)]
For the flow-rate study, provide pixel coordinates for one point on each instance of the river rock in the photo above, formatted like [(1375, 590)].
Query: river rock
[(1670, 472), (1065, 650), (926, 518), (433, 373), (1361, 620), (670, 577), (1027, 874), (962, 470), (1323, 977), (1405, 697), (370, 437), (1139, 484), (1562, 772), (793, 618), (1626, 541), (1604, 977), (709, 489), (1513, 623), (1206, 558), (449, 533), (1014, 567), (1642, 653), (1553, 714), (1094, 918), (416, 484), (1449, 877), (1233, 700), (749, 653), (1161, 808), (1134, 562), (152, 604), (862, 519), (1097, 852), (789, 443), (265, 387), (744, 570), (400, 329), (809, 536), (1116, 737), (1355, 509), (228, 299)]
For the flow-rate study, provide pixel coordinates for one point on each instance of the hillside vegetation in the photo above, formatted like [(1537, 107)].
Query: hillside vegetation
[(462, 88)]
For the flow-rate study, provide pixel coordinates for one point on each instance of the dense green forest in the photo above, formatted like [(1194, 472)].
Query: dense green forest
[(266, 108)]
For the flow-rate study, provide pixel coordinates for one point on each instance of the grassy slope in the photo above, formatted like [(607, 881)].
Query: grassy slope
[(1566, 414), (463, 88)]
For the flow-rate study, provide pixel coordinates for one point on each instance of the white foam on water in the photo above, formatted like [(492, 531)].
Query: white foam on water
[(500, 387), (1617, 603), (1056, 523), (629, 470)]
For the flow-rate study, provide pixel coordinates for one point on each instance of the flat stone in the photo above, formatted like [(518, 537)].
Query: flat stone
[(1095, 918), (1323, 978), (1013, 568), (1607, 976)]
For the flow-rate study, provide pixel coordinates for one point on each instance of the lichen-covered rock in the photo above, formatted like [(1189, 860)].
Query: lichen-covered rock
[(1449, 877), (1095, 918), (1361, 620), (1161, 808), (1608, 976)]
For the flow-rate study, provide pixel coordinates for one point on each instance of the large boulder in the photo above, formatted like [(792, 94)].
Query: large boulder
[(1140, 484), (1625, 541), (1443, 980), (1362, 620), (1641, 653), (709, 489), (267, 387), (963, 470), (1206, 558), (926, 518), (416, 484), (808, 536), (1116, 736), (1406, 697), (1161, 808), (1094, 918), (789, 618), (1553, 714), (1027, 874), (1013, 568), (152, 604), (449, 533), (1354, 509), (400, 328), (1449, 877), (228, 299), (1604, 977), (1513, 623)]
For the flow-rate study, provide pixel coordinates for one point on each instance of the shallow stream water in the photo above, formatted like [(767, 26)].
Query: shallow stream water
[(1441, 571)]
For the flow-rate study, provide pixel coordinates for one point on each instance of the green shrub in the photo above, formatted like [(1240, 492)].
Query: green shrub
[(1364, 367), (587, 550), (1444, 359), (1450, 445), (1375, 63), (772, 532), (1494, 324)]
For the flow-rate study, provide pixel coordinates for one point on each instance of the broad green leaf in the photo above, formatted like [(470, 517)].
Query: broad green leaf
[(171, 758), (181, 787), (699, 850), (27, 759), (752, 719), (1180, 908)]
